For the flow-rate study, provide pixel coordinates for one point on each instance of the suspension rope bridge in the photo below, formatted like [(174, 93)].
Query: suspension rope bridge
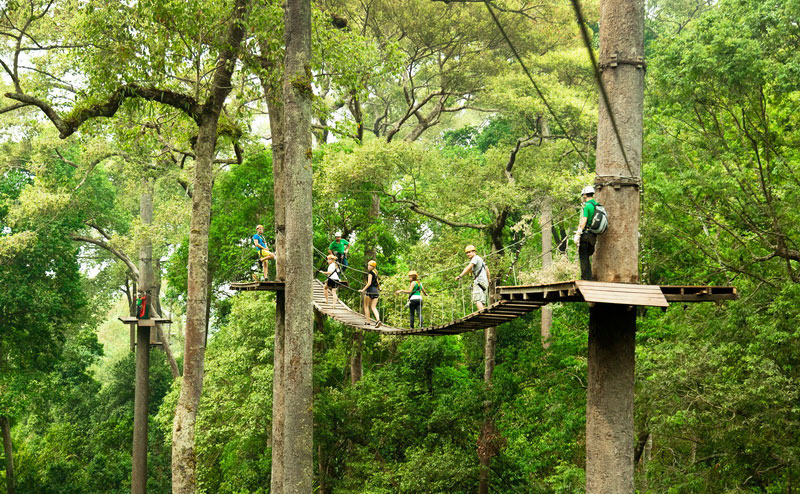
[(516, 301)]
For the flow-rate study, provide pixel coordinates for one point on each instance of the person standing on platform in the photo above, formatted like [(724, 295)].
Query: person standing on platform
[(584, 239), (371, 293), (332, 283), (480, 277), (264, 255), (340, 247), (415, 291)]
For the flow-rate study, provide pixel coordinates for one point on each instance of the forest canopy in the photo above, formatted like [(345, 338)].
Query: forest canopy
[(132, 132)]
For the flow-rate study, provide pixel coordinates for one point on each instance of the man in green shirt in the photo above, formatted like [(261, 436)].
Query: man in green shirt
[(340, 248), (584, 238)]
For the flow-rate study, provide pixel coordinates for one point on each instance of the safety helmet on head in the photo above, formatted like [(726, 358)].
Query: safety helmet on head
[(331, 256), (372, 263), (337, 234), (587, 190), (412, 273), (470, 248), (259, 226)]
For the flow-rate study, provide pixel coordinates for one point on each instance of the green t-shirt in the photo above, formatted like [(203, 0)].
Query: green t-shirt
[(338, 245), (588, 210)]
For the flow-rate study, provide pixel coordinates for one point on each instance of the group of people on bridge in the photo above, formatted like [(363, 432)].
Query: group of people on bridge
[(338, 250)]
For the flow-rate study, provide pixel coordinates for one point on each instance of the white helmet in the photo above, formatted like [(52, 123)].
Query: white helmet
[(587, 190), (338, 234)]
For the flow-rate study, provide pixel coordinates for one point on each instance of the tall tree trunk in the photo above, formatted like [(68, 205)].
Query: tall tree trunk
[(485, 447), (140, 405), (142, 387), (356, 357), (183, 457), (297, 93), (547, 264), (5, 429), (184, 477), (487, 444), (609, 400), (275, 108), (149, 278)]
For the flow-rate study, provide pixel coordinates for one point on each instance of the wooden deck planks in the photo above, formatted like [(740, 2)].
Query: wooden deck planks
[(622, 293), (615, 293)]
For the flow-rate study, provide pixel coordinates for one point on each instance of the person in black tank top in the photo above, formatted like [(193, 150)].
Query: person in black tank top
[(371, 291)]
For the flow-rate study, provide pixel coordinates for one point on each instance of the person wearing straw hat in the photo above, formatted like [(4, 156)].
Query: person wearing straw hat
[(371, 291), (415, 291), (332, 283), (264, 255), (340, 248), (480, 277)]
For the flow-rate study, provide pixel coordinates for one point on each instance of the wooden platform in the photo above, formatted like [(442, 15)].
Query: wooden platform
[(264, 286), (516, 301), (616, 293), (146, 322)]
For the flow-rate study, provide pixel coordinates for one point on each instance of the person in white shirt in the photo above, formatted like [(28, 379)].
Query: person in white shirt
[(480, 277), (332, 283)]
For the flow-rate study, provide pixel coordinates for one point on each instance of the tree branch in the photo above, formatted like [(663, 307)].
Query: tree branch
[(522, 142), (70, 123), (414, 206), (116, 252)]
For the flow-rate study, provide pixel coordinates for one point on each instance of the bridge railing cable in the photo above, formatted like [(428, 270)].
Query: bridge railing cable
[(451, 294)]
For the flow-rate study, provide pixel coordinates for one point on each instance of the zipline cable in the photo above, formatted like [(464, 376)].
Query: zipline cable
[(576, 5), (535, 86)]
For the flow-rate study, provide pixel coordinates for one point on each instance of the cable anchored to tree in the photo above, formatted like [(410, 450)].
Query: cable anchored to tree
[(535, 86), (596, 69)]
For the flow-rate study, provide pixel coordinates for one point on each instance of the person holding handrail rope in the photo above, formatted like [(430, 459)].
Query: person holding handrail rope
[(415, 291), (371, 293), (332, 283), (480, 277)]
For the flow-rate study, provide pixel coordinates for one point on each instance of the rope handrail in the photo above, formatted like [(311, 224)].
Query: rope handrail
[(391, 309)]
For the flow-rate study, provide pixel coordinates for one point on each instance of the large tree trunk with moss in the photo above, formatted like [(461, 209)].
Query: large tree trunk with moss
[(297, 93), (183, 454), (5, 429), (184, 477), (609, 398), (272, 94)]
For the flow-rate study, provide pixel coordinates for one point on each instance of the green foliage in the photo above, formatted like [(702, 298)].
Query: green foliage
[(717, 385)]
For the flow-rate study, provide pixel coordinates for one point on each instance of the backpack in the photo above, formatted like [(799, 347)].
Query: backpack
[(599, 223)]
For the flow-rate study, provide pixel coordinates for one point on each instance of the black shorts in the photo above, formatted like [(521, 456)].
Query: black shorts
[(332, 283), (372, 292)]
